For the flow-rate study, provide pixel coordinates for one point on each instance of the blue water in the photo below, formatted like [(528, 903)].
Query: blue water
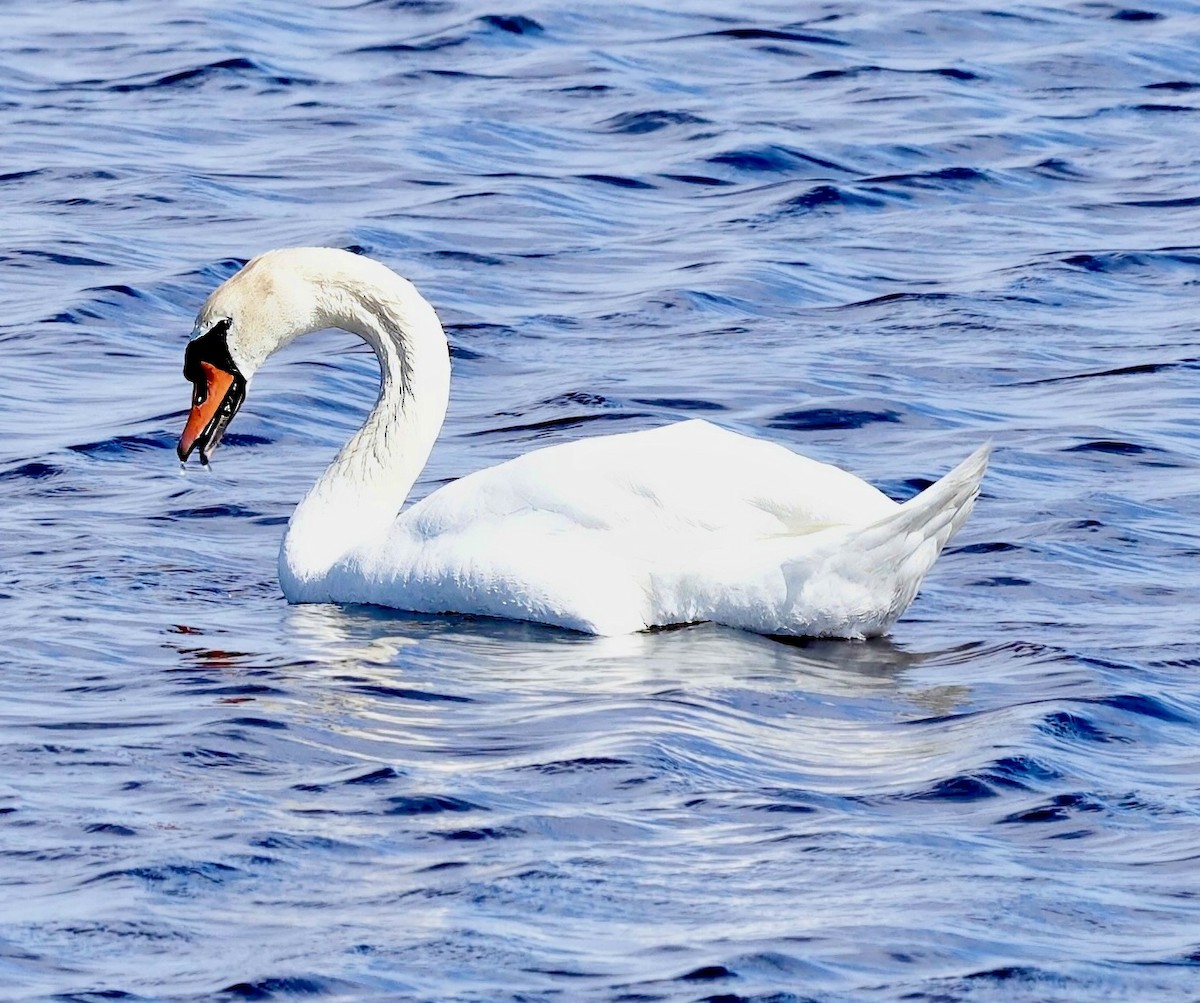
[(879, 233)]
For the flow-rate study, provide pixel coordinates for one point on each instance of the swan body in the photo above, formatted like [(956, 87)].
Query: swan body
[(607, 535)]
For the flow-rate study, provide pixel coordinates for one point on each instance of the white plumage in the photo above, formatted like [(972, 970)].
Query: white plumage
[(607, 535)]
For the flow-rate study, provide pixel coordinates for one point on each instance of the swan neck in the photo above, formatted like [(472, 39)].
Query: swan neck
[(359, 495)]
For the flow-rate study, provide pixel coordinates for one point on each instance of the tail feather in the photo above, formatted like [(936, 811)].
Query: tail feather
[(843, 581), (938, 511), (904, 545), (859, 580)]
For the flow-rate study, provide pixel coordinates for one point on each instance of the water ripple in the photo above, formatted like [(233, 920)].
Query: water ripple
[(876, 235)]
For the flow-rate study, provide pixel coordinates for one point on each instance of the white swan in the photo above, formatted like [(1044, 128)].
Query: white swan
[(606, 535)]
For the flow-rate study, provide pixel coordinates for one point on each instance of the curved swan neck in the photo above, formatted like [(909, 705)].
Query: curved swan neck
[(382, 460), (361, 492)]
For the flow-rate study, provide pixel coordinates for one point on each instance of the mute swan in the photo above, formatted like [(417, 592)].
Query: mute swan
[(606, 535)]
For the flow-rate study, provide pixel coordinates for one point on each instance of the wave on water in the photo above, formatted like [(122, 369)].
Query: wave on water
[(876, 234)]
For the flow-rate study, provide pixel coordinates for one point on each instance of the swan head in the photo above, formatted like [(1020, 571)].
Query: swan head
[(276, 297), (285, 293)]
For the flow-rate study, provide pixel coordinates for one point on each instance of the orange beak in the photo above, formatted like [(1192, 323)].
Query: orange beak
[(213, 406)]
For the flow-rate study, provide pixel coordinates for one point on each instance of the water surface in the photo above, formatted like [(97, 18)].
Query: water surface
[(876, 233)]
